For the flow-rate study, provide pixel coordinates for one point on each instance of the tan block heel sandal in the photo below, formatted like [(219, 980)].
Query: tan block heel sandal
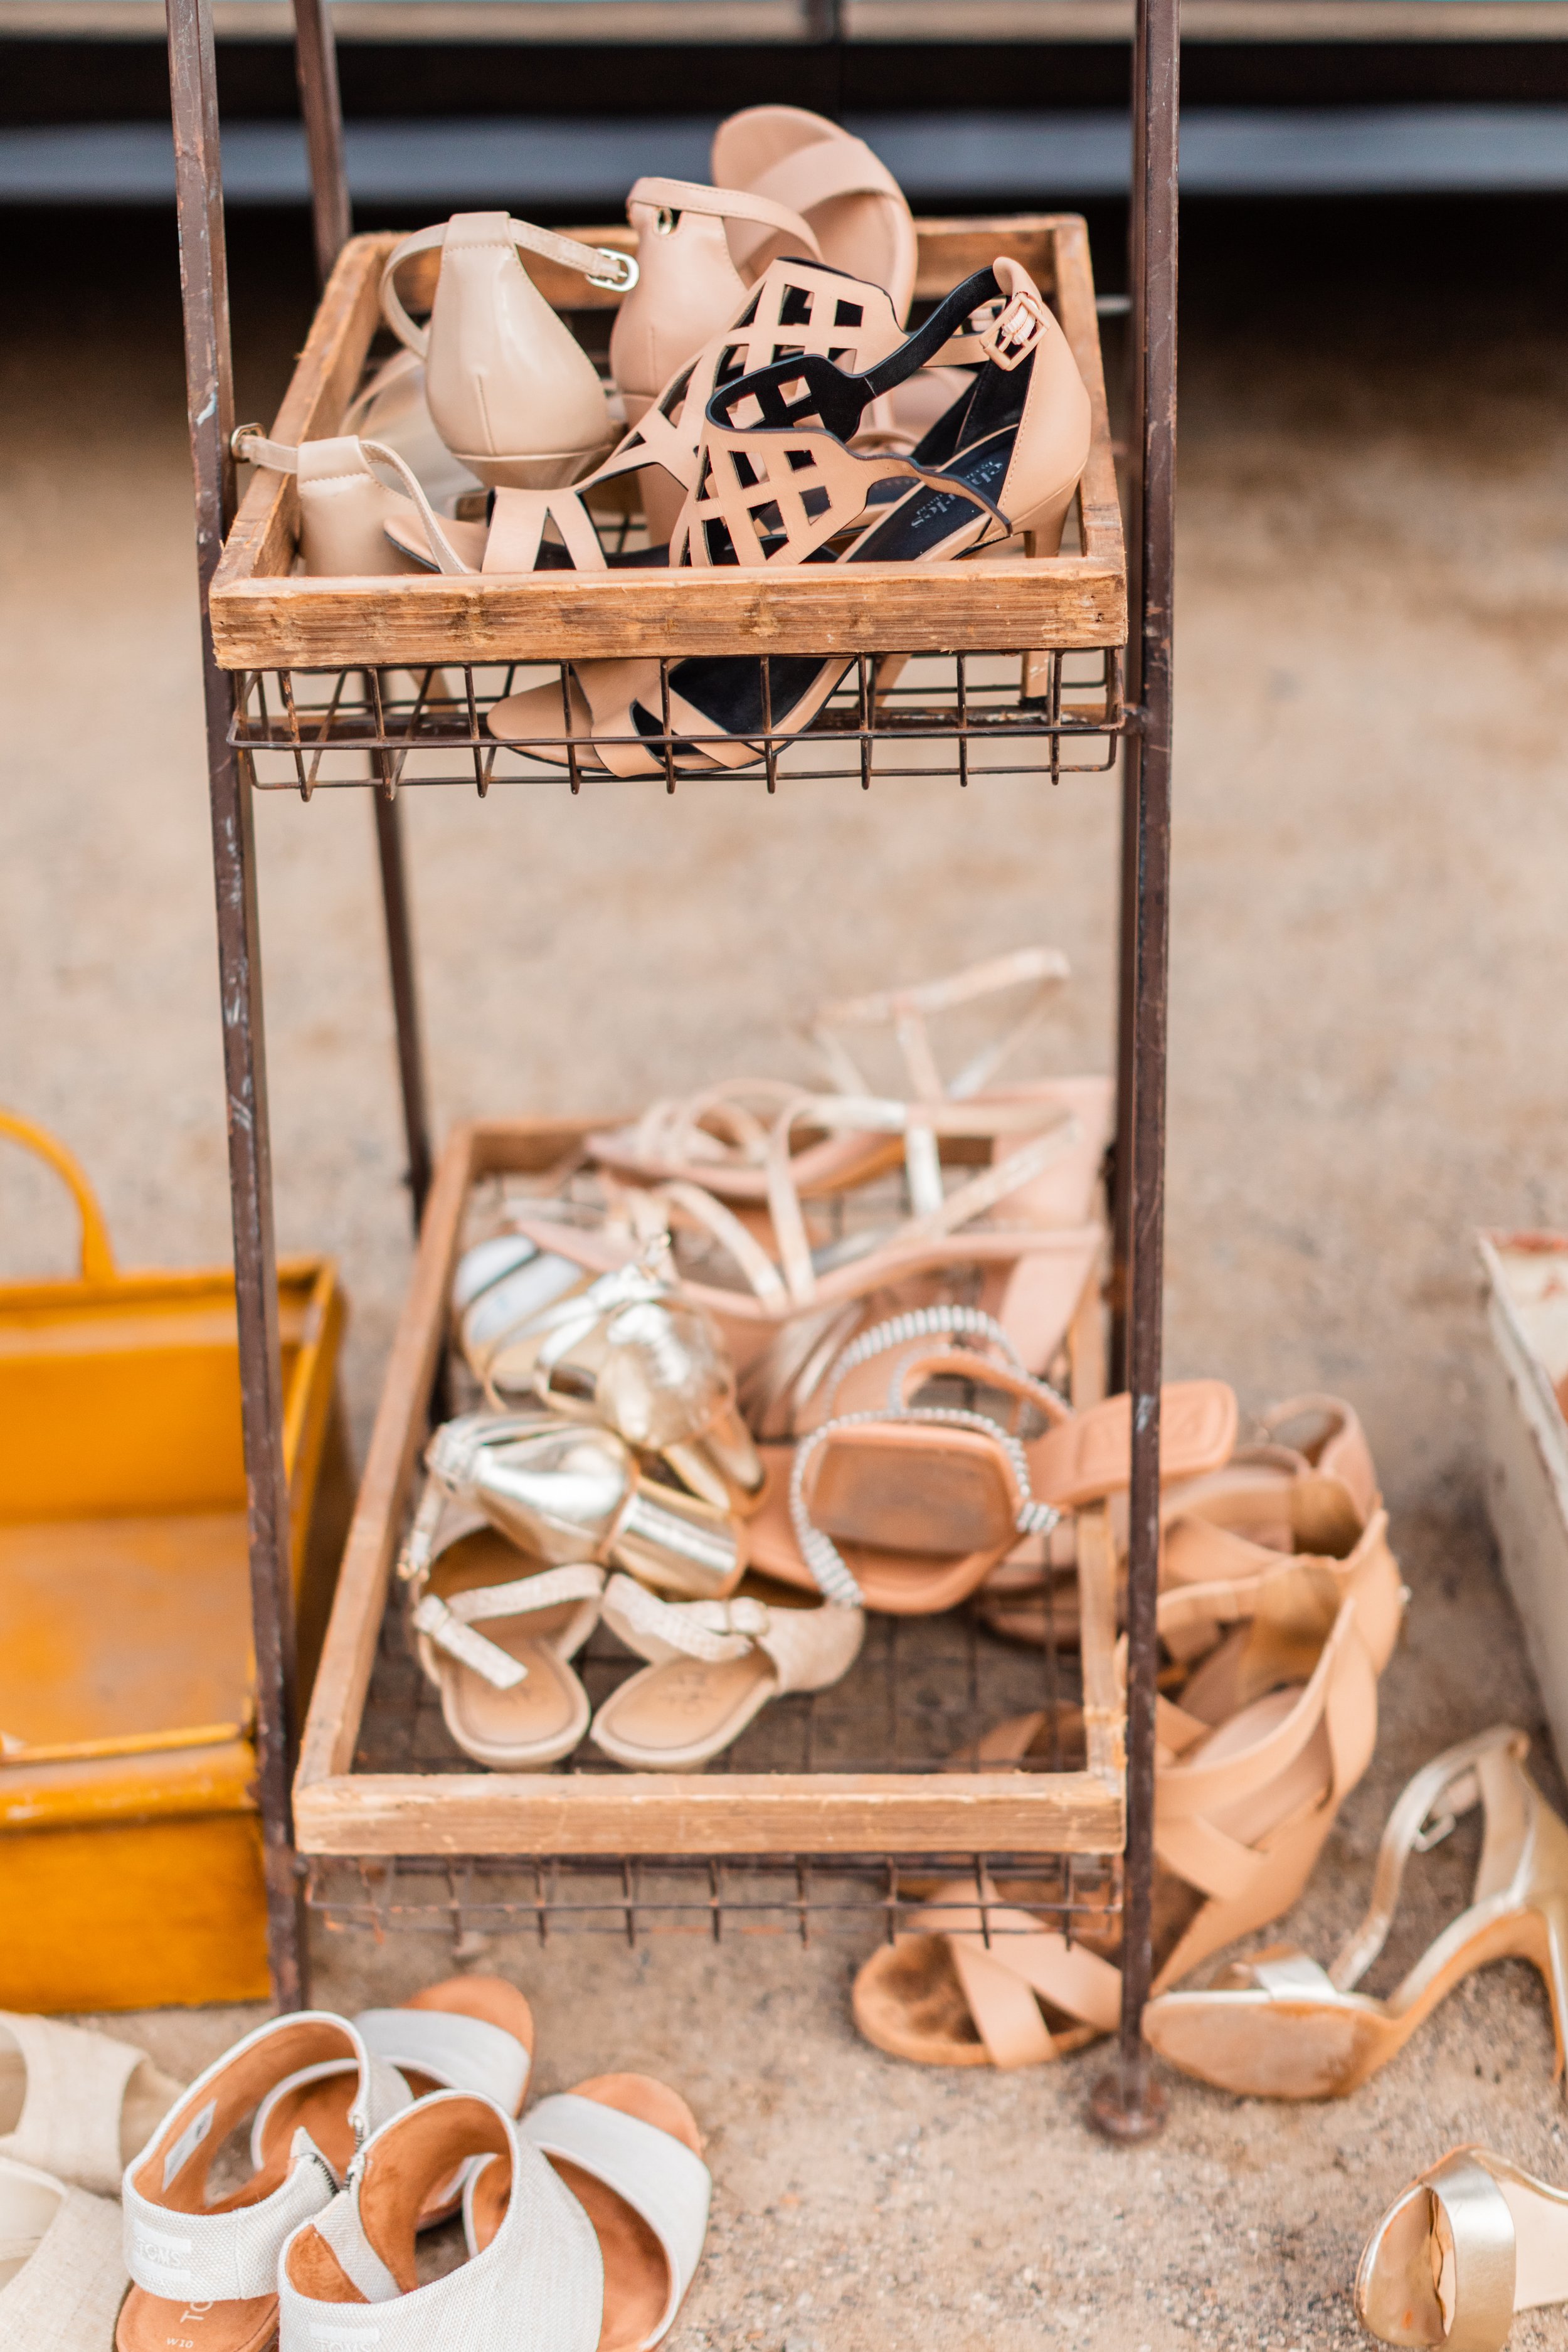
[(1274, 1726), (1281, 2026), (1471, 2241)]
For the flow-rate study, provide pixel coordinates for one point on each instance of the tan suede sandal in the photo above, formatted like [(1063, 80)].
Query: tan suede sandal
[(496, 1634), (512, 392), (571, 1495), (852, 201), (182, 2248), (74, 2103), (1281, 2026), (930, 1488), (713, 1666), (1473, 2240), (618, 1349), (1275, 1724)]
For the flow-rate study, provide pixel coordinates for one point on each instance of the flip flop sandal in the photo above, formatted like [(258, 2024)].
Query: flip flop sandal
[(62, 2270), (467, 2034), (536, 2280), (1275, 1723), (848, 195), (629, 2150), (181, 2249), (571, 1495), (930, 1496), (1281, 2026), (76, 2105), (619, 1350), (714, 1666), (1473, 2240), (511, 391), (498, 1645)]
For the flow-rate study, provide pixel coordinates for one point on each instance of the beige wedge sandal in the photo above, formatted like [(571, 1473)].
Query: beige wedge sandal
[(1281, 2026), (1274, 1726), (713, 1666), (1472, 2242)]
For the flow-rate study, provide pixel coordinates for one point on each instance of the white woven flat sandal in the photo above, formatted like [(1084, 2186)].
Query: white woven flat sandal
[(714, 1665), (62, 2272), (179, 2249), (76, 2105)]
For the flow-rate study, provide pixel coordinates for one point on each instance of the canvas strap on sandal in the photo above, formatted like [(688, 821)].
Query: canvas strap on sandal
[(662, 2181), (73, 2095), (801, 1643), (601, 264), (450, 1624), (70, 2278)]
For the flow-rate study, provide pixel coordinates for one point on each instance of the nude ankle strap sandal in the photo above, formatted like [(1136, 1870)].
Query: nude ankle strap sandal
[(512, 393), (62, 2272), (1281, 2026), (1473, 2240), (713, 1665), (344, 507), (74, 2103)]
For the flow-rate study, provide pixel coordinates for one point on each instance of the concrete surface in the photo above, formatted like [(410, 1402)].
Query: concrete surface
[(1370, 1012)]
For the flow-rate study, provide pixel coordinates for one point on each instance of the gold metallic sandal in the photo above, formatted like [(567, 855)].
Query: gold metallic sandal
[(1471, 2241), (568, 1494), (1280, 2026)]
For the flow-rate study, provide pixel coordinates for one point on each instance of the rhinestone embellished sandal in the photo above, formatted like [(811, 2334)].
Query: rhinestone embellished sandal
[(1281, 2026), (1471, 2241)]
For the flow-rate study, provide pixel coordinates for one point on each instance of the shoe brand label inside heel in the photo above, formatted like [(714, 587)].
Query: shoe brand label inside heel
[(190, 2139)]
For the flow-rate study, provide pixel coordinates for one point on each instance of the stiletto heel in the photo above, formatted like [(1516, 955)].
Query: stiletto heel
[(1280, 2026)]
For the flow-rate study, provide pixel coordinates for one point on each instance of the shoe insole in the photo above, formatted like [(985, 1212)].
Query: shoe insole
[(637, 2274), (535, 1713), (942, 1496), (663, 1714)]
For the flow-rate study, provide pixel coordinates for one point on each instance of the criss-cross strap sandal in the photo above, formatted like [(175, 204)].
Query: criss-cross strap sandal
[(713, 1665), (467, 2033), (907, 1503), (796, 305), (62, 2267), (350, 2274), (182, 2248), (1273, 1728), (495, 1634), (1282, 2026), (571, 1495), (1471, 2242), (854, 205), (512, 393), (74, 2103), (615, 1349)]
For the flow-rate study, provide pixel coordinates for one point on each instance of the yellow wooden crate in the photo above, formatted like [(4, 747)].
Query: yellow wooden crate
[(129, 1843)]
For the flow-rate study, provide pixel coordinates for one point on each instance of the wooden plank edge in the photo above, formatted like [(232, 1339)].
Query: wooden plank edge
[(753, 1813)]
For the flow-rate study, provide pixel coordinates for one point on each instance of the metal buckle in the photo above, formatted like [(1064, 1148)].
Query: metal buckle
[(244, 433), (625, 272), (1433, 1833)]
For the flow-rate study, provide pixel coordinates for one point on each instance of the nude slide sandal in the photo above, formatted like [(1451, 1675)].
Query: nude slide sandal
[(714, 1665), (62, 2268), (496, 1633), (181, 2249), (74, 2103), (1472, 2240), (1281, 2026)]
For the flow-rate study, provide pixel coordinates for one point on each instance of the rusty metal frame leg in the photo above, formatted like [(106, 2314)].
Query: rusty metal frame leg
[(1128, 2104), (316, 67), (204, 279)]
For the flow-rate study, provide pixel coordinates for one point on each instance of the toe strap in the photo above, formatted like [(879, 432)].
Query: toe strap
[(656, 2174), (1444, 2276)]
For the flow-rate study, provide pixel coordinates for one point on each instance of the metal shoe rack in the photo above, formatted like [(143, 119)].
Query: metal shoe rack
[(381, 713)]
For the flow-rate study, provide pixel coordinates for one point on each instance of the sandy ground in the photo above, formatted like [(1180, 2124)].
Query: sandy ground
[(1369, 1021)]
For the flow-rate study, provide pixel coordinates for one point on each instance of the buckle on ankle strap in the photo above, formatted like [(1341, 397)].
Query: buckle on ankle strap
[(1013, 332)]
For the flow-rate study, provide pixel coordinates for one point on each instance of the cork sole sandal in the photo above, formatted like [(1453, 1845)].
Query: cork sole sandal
[(217, 2259), (74, 2103), (630, 2152)]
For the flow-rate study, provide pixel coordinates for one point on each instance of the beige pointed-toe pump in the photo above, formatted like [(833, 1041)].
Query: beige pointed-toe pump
[(1471, 2241), (1280, 2026)]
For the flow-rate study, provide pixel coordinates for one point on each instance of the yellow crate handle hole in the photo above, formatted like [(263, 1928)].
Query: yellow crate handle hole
[(96, 1255)]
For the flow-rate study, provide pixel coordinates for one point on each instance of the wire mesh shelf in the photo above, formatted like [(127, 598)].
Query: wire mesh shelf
[(964, 715)]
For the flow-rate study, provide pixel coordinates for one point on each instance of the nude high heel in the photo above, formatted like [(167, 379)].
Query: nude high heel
[(513, 395), (1280, 2026)]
